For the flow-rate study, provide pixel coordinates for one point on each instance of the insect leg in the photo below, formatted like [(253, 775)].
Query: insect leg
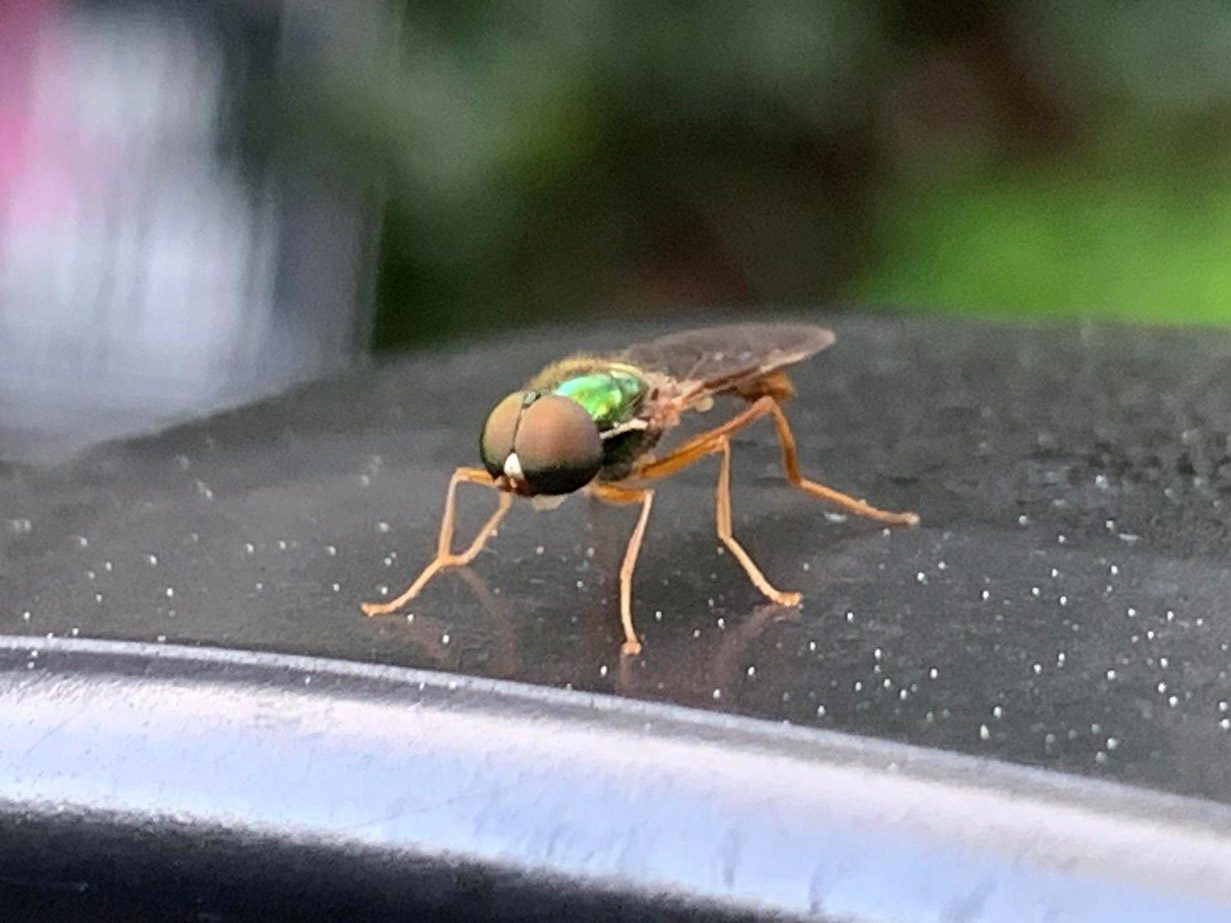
[(711, 441), (766, 406), (444, 554), (790, 462), (723, 516), (613, 494)]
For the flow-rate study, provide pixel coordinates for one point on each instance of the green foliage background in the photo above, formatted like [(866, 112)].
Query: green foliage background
[(539, 159)]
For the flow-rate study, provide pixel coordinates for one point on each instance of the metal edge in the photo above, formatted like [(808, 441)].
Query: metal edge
[(606, 792)]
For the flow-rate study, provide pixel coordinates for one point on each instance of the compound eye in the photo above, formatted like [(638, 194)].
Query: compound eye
[(496, 443), (558, 445)]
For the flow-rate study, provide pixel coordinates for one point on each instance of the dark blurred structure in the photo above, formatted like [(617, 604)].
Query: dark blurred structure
[(552, 160)]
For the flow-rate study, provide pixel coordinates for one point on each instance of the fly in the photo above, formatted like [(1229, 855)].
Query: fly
[(591, 424)]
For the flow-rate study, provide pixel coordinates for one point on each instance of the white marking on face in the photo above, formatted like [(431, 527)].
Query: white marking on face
[(512, 467)]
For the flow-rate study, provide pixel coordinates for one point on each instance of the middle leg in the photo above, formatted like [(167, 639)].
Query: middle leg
[(612, 493), (722, 513), (717, 441)]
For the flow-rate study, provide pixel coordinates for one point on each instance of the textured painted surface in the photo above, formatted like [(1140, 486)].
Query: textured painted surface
[(1063, 603)]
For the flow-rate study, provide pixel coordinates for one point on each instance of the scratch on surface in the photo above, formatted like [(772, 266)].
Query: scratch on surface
[(730, 857)]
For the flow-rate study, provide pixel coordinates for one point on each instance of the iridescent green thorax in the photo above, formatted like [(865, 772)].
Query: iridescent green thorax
[(610, 397)]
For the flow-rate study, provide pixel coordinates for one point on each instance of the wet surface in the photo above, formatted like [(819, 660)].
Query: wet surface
[(1065, 602)]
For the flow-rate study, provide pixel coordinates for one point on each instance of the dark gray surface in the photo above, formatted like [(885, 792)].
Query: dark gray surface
[(1063, 604), (226, 786)]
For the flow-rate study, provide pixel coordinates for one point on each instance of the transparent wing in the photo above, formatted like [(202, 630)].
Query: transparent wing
[(716, 359)]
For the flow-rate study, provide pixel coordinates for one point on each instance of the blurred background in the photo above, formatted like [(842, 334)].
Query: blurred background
[(206, 200)]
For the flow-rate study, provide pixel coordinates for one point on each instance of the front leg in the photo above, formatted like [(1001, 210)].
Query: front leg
[(444, 544)]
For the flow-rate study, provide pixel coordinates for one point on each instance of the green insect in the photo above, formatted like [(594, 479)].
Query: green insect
[(591, 423)]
